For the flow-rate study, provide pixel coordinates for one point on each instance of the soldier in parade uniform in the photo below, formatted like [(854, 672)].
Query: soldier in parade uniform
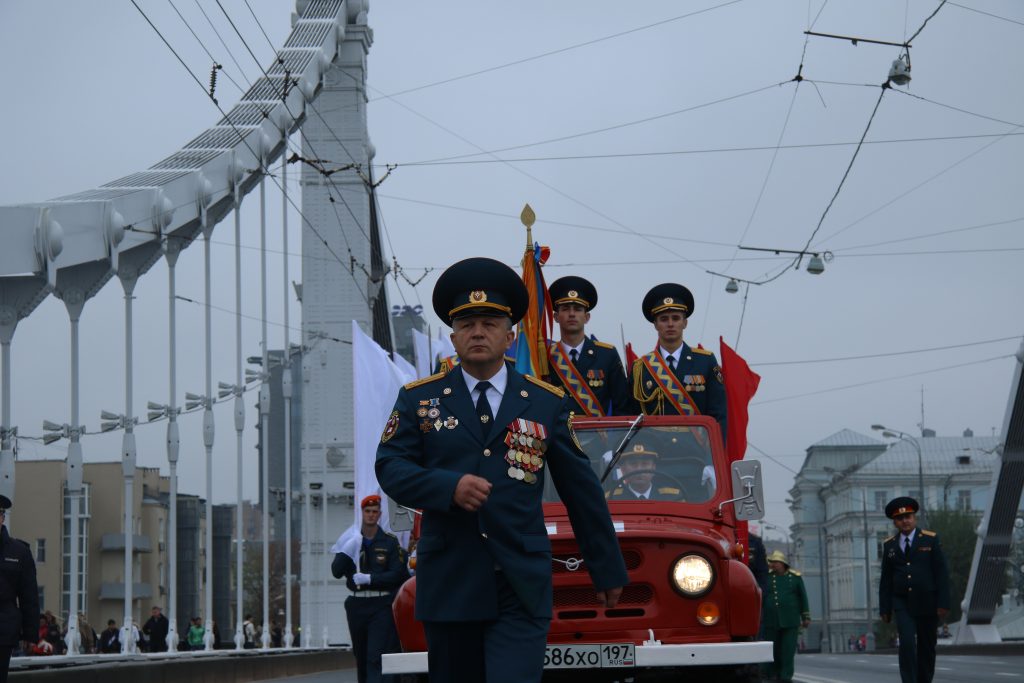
[(19, 594), (381, 570), (590, 371), (638, 466), (674, 378), (914, 585), (471, 449), (785, 612)]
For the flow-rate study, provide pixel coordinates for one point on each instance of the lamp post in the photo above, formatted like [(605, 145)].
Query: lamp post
[(126, 422), (903, 436), (193, 401)]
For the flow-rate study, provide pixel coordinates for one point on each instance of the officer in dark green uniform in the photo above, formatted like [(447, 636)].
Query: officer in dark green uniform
[(590, 371), (639, 474), (19, 594), (674, 378), (381, 570), (915, 587), (785, 612)]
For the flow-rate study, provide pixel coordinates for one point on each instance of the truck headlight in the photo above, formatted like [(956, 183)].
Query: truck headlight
[(693, 575)]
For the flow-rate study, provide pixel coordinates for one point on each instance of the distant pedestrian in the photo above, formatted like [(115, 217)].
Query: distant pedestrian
[(785, 612), (248, 633), (19, 594), (914, 585), (110, 639), (194, 638), (87, 635), (155, 630)]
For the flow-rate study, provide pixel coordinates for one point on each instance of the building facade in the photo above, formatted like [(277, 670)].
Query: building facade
[(838, 501)]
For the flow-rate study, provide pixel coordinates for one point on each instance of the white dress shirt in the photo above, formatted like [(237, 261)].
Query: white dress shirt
[(498, 384)]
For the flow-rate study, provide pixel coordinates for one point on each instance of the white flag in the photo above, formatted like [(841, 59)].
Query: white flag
[(424, 353)]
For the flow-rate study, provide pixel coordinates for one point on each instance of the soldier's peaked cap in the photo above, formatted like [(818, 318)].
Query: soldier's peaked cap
[(904, 505), (638, 451), (479, 286), (572, 289), (668, 296)]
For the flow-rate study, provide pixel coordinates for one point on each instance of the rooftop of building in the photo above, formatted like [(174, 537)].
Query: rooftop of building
[(846, 438)]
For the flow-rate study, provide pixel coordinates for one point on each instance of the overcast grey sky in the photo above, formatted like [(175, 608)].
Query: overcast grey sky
[(92, 94)]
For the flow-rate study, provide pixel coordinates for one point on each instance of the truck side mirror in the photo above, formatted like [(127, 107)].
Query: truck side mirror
[(400, 518), (747, 487)]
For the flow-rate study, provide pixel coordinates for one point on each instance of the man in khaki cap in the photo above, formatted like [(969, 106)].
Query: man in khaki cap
[(785, 613)]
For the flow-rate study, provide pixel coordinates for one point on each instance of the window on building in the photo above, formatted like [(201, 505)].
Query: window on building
[(42, 598), (40, 550), (915, 494), (84, 511), (963, 500), (881, 499)]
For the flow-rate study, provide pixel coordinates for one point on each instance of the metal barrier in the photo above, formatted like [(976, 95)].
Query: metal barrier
[(217, 666)]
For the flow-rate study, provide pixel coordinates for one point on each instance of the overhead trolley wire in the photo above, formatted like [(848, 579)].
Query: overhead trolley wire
[(553, 52), (987, 14), (203, 45)]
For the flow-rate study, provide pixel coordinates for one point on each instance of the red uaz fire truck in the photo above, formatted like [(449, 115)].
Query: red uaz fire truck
[(691, 606)]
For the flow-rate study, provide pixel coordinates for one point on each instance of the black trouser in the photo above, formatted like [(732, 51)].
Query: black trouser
[(507, 650), (5, 662), (372, 627), (917, 643)]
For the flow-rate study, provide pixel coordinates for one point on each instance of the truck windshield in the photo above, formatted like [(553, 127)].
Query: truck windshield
[(656, 464)]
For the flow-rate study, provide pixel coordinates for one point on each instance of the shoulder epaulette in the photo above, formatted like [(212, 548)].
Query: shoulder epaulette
[(616, 492), (704, 352), (510, 359), (794, 572), (669, 491), (425, 380), (925, 532), (603, 345), (544, 385), (889, 539)]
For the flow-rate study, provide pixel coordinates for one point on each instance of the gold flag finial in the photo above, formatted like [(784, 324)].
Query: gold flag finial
[(528, 217)]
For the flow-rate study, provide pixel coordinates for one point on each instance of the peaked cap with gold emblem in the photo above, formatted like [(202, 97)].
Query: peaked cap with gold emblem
[(638, 451), (668, 296), (572, 289), (479, 286)]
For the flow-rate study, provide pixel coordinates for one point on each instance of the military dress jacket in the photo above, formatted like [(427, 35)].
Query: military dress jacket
[(700, 376), (434, 437), (600, 367), (19, 593), (383, 559), (920, 577), (785, 601)]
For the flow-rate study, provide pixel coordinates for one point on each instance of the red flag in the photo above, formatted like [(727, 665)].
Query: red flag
[(630, 356), (740, 386)]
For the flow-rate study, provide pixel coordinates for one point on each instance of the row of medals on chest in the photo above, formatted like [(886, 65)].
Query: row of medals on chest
[(525, 456)]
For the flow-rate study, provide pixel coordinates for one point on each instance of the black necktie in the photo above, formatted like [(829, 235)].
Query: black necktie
[(574, 354), (906, 545), (672, 363), (483, 406)]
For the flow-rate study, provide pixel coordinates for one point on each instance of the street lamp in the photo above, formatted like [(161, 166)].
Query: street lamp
[(192, 402), (113, 421), (903, 436)]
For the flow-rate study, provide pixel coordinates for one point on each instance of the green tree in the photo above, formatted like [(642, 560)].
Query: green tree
[(956, 529)]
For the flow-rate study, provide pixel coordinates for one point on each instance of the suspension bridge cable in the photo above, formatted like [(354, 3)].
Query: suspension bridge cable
[(256, 156), (553, 52)]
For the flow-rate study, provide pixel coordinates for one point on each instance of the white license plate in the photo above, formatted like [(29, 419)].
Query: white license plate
[(590, 656)]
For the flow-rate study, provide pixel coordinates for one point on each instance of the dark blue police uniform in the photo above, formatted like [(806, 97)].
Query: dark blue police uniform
[(601, 368), (370, 620), (914, 585), (19, 594), (483, 578)]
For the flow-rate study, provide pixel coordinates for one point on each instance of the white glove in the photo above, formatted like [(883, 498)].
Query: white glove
[(607, 457), (361, 579)]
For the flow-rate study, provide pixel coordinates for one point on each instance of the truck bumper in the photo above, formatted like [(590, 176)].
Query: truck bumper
[(647, 655)]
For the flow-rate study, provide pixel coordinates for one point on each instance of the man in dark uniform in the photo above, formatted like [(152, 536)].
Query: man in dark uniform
[(675, 379), (19, 594), (639, 471), (590, 371), (380, 572), (786, 611), (915, 586), (472, 448)]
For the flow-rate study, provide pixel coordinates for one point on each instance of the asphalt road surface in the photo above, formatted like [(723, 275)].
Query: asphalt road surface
[(854, 668), (845, 668)]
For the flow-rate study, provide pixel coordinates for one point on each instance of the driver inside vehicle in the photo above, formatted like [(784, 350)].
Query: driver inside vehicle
[(638, 477)]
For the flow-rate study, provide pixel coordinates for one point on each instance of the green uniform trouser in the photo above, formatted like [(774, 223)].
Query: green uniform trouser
[(783, 652)]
